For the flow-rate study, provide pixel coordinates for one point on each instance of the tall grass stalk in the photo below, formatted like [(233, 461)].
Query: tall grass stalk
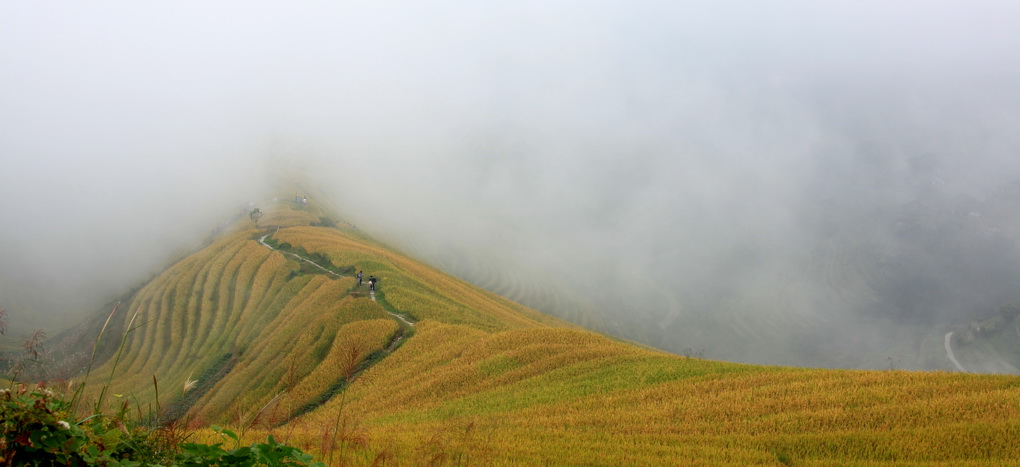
[(120, 352), (336, 427), (349, 366), (95, 348), (155, 385), (245, 426)]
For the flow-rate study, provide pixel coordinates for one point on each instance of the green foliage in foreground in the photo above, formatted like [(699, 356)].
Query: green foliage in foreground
[(36, 430), (268, 453)]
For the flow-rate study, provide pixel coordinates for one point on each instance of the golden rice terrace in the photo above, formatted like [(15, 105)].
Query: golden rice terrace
[(432, 370)]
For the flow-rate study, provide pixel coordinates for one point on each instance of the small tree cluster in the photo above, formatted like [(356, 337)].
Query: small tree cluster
[(255, 215)]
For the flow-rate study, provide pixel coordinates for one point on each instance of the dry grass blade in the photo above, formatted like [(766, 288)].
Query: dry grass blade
[(95, 348), (155, 384), (120, 352)]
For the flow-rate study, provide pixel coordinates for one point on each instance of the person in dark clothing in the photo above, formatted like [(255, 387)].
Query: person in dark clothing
[(371, 283)]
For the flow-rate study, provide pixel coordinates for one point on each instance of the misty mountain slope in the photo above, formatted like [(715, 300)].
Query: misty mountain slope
[(990, 345), (29, 306), (484, 380), (227, 310), (863, 269), (21, 304), (250, 323)]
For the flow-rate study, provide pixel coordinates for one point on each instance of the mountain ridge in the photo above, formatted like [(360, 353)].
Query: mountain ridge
[(309, 357)]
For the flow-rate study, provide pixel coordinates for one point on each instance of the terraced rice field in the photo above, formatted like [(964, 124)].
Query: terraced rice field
[(236, 312), (563, 396), (484, 380)]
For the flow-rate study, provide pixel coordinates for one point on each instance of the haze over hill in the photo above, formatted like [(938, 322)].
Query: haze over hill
[(796, 183), (268, 332)]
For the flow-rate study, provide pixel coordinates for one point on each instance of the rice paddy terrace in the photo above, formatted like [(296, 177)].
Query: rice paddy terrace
[(432, 370)]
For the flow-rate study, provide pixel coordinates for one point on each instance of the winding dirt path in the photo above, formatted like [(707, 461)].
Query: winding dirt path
[(262, 241), (400, 317), (949, 352)]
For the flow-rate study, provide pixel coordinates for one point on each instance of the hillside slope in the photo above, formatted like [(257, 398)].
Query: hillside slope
[(250, 323), (560, 396), (281, 346)]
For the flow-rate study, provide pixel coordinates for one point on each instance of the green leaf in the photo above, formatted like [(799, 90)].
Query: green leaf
[(230, 434)]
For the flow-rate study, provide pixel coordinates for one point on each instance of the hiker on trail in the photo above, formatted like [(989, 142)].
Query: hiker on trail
[(371, 283), (359, 278), (304, 200)]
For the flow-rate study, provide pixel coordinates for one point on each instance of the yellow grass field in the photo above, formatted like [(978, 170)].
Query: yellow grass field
[(319, 362), (563, 396)]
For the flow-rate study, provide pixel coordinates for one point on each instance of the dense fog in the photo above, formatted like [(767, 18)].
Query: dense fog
[(809, 183)]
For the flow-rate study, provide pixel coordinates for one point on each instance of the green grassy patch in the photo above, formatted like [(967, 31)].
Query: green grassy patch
[(498, 365)]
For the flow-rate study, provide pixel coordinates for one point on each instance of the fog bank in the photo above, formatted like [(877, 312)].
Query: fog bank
[(737, 179)]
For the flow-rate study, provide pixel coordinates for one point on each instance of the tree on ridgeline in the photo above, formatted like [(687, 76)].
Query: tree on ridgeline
[(255, 215)]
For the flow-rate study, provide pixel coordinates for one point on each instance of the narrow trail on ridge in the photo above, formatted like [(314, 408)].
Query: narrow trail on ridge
[(395, 315), (399, 317), (405, 324), (262, 240)]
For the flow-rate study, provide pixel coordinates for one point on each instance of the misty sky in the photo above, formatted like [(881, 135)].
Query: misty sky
[(697, 149)]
